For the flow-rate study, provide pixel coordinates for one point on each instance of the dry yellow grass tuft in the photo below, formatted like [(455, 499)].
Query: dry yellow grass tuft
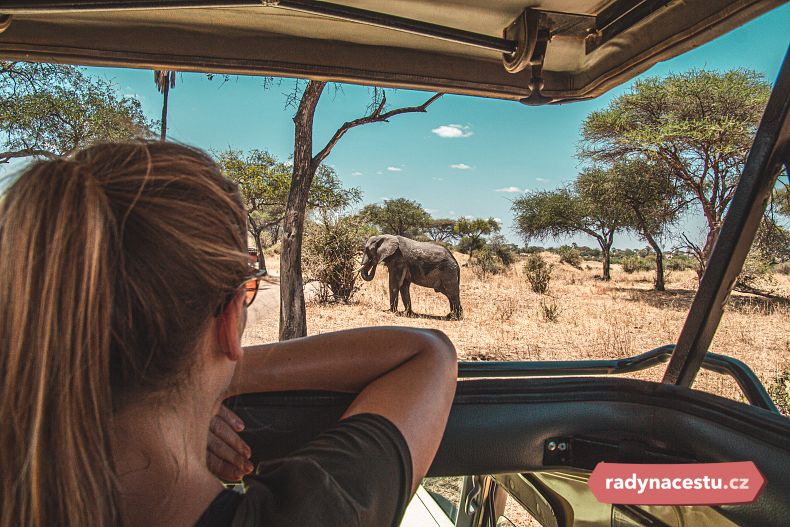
[(504, 320)]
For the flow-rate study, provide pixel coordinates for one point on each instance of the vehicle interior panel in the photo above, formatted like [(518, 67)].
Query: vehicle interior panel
[(643, 418)]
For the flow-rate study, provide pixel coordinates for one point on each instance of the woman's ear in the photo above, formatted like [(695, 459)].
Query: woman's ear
[(230, 325)]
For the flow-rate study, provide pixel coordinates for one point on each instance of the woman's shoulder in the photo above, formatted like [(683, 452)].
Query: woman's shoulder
[(357, 473)]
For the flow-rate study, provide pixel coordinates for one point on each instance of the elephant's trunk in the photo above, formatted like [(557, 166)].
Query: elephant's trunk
[(368, 271)]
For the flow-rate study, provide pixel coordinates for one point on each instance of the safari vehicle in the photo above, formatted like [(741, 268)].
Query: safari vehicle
[(531, 429)]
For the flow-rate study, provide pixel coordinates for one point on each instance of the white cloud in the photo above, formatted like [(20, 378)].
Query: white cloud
[(469, 217), (438, 179), (498, 220), (541, 180), (451, 212), (510, 190), (357, 173), (452, 131), (461, 166), (394, 169)]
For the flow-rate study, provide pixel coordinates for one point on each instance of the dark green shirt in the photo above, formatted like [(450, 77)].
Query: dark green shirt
[(357, 474)]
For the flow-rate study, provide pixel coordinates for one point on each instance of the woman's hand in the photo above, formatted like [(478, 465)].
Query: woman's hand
[(227, 455)]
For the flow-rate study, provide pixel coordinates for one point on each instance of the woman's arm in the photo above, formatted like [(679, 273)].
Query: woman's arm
[(407, 375)]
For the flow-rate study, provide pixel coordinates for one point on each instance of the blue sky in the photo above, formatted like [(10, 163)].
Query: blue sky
[(465, 156)]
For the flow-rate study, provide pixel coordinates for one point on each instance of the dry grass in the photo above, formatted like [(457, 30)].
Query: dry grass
[(503, 319)]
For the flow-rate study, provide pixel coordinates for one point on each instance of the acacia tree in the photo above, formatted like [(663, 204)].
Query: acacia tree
[(472, 232), (650, 202), (49, 110), (264, 183), (587, 207), (293, 321), (164, 80), (441, 230), (698, 125), (401, 216)]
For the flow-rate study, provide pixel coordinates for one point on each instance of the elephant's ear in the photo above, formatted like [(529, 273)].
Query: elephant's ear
[(387, 248)]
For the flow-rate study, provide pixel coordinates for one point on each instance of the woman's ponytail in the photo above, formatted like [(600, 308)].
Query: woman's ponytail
[(56, 240), (111, 264)]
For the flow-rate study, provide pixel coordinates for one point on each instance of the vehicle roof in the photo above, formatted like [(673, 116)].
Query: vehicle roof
[(593, 45)]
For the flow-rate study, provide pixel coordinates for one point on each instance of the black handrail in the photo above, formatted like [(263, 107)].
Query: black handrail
[(747, 381)]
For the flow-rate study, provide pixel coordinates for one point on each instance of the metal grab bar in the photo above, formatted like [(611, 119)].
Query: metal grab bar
[(748, 382)]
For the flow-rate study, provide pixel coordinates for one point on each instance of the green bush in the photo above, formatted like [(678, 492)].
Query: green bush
[(571, 256), (330, 256), (485, 262), (538, 273), (632, 264), (679, 263), (506, 252), (494, 257), (756, 274)]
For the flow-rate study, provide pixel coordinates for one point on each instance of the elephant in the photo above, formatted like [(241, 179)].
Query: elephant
[(409, 261)]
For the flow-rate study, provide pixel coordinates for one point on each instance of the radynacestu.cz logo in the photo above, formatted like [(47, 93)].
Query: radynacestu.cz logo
[(673, 484)]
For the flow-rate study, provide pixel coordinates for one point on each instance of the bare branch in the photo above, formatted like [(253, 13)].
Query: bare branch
[(696, 249), (5, 157), (376, 116)]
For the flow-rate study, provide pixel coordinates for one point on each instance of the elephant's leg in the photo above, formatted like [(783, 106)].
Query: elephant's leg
[(456, 313), (406, 297), (394, 287)]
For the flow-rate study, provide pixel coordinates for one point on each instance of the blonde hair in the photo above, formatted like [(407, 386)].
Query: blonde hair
[(112, 261)]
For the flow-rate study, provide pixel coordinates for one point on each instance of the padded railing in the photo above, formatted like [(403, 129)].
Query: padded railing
[(748, 382)]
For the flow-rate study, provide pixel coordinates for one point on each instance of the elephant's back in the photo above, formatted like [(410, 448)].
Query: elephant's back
[(431, 264)]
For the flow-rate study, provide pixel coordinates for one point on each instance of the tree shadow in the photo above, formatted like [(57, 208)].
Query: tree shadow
[(681, 299), (423, 316), (676, 299)]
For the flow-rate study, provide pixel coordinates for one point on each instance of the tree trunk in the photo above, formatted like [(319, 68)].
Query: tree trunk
[(275, 232), (165, 92), (710, 241), (659, 284), (259, 247), (293, 317), (605, 242), (607, 262)]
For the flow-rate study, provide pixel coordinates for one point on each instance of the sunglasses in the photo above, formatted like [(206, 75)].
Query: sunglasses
[(250, 285)]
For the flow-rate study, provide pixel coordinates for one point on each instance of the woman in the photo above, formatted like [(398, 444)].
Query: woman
[(123, 294)]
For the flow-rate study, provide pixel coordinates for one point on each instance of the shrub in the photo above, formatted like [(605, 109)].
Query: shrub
[(485, 262), (506, 252), (493, 257), (679, 263), (538, 273), (330, 256), (632, 264), (782, 268), (756, 273), (571, 256), (550, 311)]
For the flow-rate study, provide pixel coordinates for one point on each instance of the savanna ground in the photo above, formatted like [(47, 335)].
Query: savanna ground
[(505, 320)]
